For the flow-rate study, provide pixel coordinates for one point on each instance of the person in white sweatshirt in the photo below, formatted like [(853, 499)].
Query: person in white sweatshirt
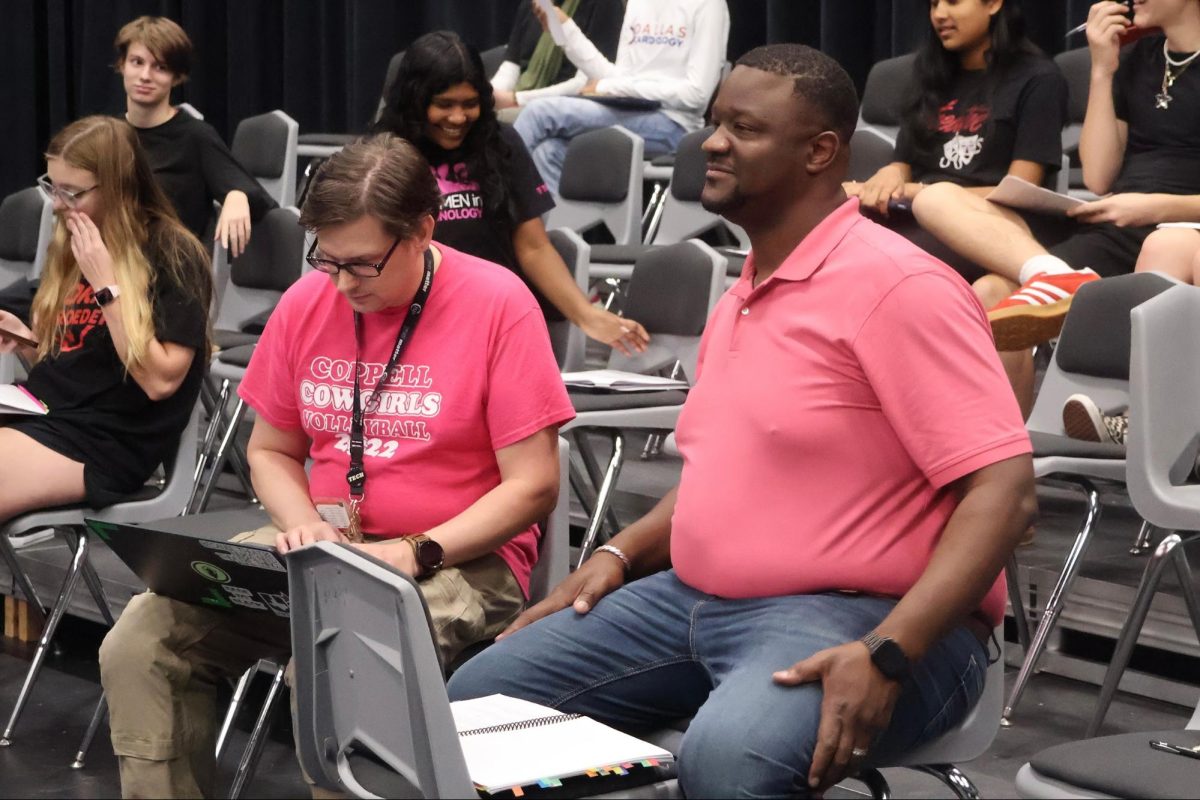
[(671, 52)]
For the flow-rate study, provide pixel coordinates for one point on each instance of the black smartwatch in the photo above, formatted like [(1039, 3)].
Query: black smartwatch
[(106, 295), (887, 656), (430, 555)]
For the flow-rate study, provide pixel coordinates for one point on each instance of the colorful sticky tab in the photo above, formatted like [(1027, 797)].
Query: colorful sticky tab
[(518, 791)]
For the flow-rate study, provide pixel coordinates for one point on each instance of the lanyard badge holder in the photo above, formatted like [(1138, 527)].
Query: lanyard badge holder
[(356, 475)]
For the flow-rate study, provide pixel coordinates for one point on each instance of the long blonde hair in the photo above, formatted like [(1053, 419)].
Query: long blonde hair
[(137, 219)]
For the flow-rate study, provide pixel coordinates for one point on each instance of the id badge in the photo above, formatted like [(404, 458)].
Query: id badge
[(343, 515)]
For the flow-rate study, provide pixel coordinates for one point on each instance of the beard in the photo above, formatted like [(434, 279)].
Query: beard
[(730, 202)]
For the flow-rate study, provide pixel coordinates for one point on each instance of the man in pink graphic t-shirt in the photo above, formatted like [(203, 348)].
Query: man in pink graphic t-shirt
[(421, 384)]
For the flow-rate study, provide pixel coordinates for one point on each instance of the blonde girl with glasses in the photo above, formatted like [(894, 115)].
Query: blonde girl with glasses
[(120, 323)]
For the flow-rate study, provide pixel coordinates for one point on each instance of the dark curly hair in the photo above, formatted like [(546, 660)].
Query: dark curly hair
[(430, 66)]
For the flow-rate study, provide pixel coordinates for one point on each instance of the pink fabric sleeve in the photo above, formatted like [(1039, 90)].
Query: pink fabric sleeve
[(269, 386), (525, 389), (929, 356)]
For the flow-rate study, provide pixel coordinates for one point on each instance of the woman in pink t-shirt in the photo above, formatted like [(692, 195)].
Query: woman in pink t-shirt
[(420, 384)]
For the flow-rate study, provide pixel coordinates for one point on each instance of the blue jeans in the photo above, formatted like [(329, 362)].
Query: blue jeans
[(657, 650), (548, 124)]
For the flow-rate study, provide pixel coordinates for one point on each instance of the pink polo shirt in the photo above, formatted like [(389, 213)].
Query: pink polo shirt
[(835, 404)]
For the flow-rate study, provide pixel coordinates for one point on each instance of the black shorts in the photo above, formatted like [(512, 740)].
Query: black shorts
[(1104, 247), (107, 478)]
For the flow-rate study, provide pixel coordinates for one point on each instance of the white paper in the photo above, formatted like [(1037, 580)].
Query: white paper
[(1019, 193), (620, 381), (553, 26), (504, 759), (15, 400), (1195, 226)]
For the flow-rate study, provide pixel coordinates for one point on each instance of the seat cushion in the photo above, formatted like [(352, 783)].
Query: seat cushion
[(1048, 444), (237, 356), (614, 401), (618, 253), (227, 339), (1125, 765), (327, 139)]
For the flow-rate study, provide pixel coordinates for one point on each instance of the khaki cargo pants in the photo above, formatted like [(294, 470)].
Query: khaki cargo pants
[(161, 664)]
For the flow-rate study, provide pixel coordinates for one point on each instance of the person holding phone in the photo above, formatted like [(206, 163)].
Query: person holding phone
[(121, 325), (1140, 150)]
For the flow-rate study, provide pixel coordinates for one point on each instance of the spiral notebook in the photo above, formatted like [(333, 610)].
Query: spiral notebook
[(511, 743)]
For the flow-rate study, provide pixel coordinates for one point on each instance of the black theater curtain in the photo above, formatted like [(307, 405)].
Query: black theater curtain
[(322, 61)]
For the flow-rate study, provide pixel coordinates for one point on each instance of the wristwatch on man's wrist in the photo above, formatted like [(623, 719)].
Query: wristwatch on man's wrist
[(887, 656), (429, 554), (107, 294)]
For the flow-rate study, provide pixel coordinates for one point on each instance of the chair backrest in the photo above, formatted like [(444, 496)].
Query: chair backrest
[(1092, 356), (1164, 409), (190, 110), (602, 184), (266, 146), (683, 217), (1076, 67), (389, 77), (885, 93), (492, 58), (554, 548), (361, 632), (870, 150), (568, 341), (672, 292), (270, 264), (26, 225)]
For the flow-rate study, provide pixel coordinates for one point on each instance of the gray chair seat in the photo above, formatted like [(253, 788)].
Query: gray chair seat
[(326, 139), (1048, 444), (618, 253), (1124, 765), (237, 356), (606, 401), (226, 339)]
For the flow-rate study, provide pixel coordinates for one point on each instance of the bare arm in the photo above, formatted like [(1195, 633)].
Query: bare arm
[(166, 364), (527, 492), (545, 269), (1102, 140)]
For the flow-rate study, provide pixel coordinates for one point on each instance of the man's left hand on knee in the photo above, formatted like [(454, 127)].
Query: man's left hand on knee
[(856, 708)]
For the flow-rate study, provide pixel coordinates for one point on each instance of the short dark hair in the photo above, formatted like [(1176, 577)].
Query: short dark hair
[(819, 80), (384, 177)]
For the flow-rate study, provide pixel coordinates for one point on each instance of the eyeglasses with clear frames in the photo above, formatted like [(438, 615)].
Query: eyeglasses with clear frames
[(70, 199), (358, 269)]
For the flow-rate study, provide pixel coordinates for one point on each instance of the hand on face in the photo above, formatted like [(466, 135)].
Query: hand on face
[(95, 262), (1106, 22)]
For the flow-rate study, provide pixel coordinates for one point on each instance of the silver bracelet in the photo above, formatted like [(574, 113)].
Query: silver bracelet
[(616, 551)]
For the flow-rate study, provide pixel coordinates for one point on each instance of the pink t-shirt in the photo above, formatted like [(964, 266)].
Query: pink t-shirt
[(835, 404), (478, 375)]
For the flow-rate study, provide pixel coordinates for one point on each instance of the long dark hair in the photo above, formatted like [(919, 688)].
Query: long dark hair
[(430, 66), (937, 68)]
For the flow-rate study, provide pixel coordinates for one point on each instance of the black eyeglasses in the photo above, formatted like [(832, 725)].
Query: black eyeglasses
[(70, 199), (358, 269)]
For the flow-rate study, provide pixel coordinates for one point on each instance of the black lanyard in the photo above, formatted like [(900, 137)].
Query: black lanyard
[(357, 474)]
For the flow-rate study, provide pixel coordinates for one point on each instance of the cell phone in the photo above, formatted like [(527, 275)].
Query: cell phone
[(18, 338), (1179, 750)]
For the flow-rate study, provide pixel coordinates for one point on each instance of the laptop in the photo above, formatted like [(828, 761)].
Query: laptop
[(180, 564)]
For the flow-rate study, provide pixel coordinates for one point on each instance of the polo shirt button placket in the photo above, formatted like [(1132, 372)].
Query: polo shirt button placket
[(746, 311)]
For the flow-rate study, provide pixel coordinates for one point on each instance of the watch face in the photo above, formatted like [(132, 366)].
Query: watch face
[(891, 660), (430, 555), (104, 296)]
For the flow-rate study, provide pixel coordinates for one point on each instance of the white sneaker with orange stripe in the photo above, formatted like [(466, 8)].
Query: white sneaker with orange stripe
[(1034, 313)]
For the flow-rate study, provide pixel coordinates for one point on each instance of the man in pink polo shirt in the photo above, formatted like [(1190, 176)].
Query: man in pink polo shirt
[(822, 583)]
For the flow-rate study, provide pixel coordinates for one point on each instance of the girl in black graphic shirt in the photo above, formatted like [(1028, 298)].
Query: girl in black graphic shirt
[(121, 321), (985, 103), (493, 197)]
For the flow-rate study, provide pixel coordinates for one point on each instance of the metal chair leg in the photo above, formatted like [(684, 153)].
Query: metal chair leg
[(1187, 582), (603, 497), (253, 751), (235, 705), (876, 784), (86, 743), (39, 655), (1142, 543), (1054, 602), (218, 464), (1133, 626), (216, 412), (953, 777), (20, 579), (587, 455), (1020, 616)]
